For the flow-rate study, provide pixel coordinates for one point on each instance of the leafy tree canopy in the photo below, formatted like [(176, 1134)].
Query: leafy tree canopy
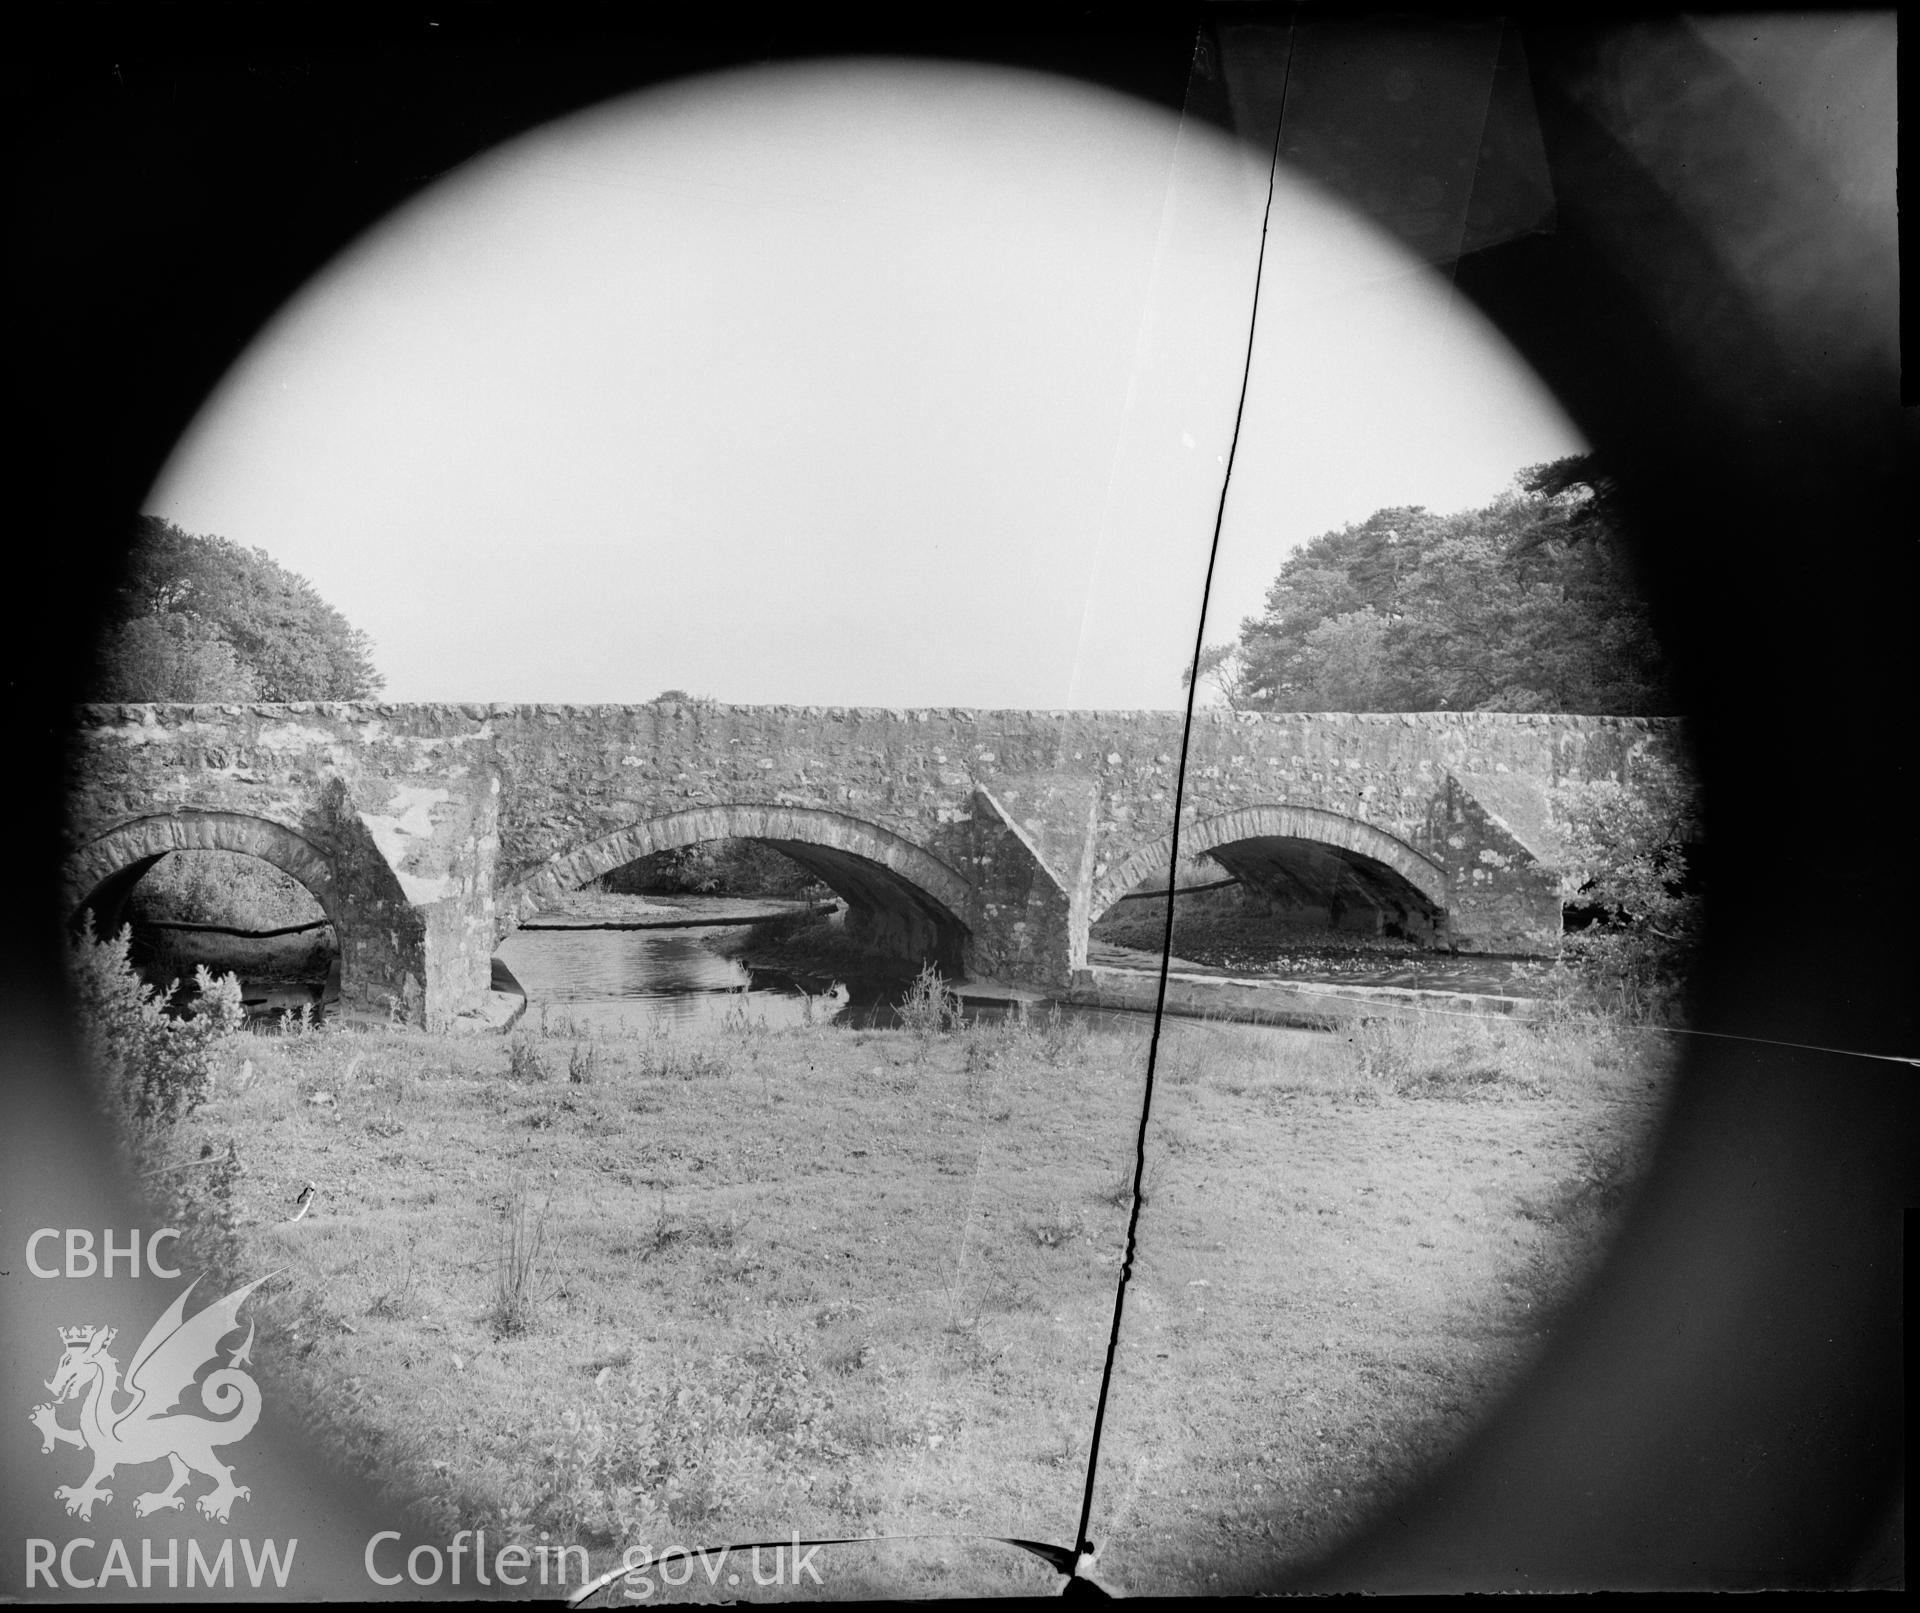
[(200, 618), (1527, 604), (1630, 849)]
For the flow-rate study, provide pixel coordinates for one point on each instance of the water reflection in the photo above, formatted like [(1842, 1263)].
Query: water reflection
[(626, 979), (646, 980)]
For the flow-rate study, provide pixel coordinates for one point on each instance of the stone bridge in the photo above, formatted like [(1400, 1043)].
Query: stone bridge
[(987, 840)]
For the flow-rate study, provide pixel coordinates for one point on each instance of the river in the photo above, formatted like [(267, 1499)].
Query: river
[(621, 980), (622, 965), (626, 964)]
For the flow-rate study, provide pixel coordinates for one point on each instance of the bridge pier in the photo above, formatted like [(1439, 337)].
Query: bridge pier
[(415, 965), (427, 960), (1502, 858), (1024, 918)]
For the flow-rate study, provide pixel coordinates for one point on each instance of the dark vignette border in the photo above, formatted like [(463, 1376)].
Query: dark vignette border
[(1725, 1409)]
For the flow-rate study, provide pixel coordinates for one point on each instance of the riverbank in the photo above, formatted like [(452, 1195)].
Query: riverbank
[(1122, 979), (1227, 932), (860, 1281), (1308, 1005), (602, 910)]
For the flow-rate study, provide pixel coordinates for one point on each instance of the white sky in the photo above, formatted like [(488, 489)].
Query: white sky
[(877, 383)]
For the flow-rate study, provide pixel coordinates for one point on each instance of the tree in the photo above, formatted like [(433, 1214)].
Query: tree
[(1219, 665), (200, 618), (1351, 667), (171, 656), (1628, 849), (1341, 574), (1525, 604), (1584, 495)]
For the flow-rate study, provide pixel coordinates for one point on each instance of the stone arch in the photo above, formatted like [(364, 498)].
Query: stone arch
[(102, 873), (878, 872), (1273, 822)]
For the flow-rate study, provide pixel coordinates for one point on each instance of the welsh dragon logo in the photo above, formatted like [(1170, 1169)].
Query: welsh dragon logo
[(146, 1428)]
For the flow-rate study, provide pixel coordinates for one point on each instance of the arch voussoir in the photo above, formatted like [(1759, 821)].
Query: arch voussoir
[(141, 839), (1278, 820), (568, 871)]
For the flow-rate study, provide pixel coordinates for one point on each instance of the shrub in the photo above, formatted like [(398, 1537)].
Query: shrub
[(984, 1049), (1629, 972), (930, 1005), (1634, 960), (299, 1021), (667, 1057), (736, 1022), (1415, 1056), (1063, 1037), (731, 1436), (155, 1066), (525, 1062), (516, 1290)]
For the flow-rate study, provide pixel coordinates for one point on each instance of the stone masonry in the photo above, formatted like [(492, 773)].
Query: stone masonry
[(987, 840)]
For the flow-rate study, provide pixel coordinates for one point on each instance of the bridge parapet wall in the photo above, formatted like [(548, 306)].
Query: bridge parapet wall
[(573, 774)]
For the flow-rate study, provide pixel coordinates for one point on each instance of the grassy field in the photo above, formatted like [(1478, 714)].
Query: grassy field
[(1343, 1262), (674, 1291)]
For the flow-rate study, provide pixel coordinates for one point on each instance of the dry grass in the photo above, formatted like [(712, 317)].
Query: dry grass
[(1343, 1262), (848, 1281)]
